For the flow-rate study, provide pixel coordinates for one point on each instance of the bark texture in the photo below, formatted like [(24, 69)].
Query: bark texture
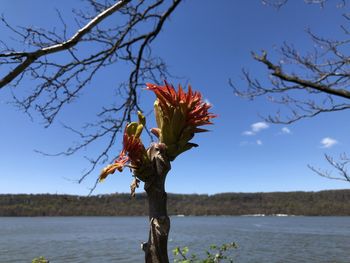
[(156, 249)]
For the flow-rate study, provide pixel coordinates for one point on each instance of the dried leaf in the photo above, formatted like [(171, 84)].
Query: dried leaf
[(134, 184)]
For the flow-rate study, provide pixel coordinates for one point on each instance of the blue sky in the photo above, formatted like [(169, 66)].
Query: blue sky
[(207, 43)]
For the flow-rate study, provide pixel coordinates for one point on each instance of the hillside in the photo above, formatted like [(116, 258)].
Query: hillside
[(332, 202)]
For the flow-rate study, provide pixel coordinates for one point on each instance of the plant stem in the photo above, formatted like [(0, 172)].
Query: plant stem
[(156, 249)]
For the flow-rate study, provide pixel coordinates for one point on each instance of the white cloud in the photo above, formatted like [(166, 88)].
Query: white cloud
[(258, 126), (328, 142), (285, 130), (251, 143), (248, 133), (255, 128)]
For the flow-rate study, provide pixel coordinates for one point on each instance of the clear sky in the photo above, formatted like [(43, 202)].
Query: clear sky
[(207, 42)]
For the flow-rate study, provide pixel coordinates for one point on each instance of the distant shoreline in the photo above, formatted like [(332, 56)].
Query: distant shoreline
[(171, 216), (322, 203)]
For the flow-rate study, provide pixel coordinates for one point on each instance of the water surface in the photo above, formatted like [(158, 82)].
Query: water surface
[(118, 239)]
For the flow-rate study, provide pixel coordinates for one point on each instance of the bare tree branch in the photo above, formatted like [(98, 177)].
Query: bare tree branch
[(30, 57), (280, 3), (340, 166), (325, 85), (305, 84), (276, 70), (322, 75), (59, 80)]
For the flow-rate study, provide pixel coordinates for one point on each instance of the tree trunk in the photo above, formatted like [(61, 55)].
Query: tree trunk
[(156, 249)]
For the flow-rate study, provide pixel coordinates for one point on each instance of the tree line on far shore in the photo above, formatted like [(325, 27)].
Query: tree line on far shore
[(323, 203)]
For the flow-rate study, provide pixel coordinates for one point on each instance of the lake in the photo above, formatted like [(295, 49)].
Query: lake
[(118, 239)]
